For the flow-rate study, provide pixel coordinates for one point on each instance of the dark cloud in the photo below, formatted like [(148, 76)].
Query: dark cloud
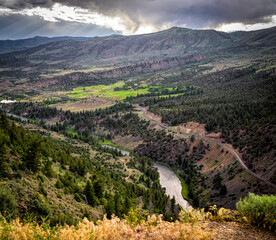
[(18, 26), (18, 4), (192, 13)]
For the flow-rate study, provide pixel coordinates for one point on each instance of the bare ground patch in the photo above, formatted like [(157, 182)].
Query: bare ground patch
[(128, 142), (85, 105)]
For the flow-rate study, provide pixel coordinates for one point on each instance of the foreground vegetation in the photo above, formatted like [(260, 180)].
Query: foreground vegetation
[(152, 228), (259, 210), (191, 224)]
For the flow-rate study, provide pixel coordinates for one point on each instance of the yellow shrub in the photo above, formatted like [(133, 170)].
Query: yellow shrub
[(114, 229)]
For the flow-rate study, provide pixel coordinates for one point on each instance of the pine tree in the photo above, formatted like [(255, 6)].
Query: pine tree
[(48, 170), (99, 188), (109, 207), (4, 167), (172, 204), (117, 203), (90, 194), (32, 155), (223, 190)]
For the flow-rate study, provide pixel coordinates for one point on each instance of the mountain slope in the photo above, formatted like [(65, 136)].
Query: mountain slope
[(7, 46), (121, 50), (264, 37)]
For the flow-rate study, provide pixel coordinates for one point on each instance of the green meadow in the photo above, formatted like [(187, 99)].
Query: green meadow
[(108, 91)]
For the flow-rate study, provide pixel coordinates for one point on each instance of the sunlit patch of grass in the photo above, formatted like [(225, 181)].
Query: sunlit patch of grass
[(152, 228), (71, 131), (108, 91), (266, 68)]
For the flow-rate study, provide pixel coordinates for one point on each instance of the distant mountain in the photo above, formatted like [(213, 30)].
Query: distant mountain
[(128, 50), (264, 37), (7, 46)]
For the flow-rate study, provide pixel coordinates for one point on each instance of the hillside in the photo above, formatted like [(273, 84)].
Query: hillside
[(48, 175), (120, 50), (8, 46)]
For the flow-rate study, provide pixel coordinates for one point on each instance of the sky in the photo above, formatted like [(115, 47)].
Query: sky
[(28, 18)]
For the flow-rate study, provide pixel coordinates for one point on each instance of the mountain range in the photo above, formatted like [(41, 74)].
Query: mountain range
[(114, 51), (7, 46)]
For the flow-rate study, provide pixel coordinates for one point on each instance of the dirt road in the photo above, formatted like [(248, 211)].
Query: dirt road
[(232, 150)]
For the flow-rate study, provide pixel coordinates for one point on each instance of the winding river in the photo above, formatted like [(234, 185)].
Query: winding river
[(23, 119), (168, 180), (122, 151)]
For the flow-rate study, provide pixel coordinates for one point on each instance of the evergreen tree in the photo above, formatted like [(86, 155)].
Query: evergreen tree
[(172, 204), (48, 170), (223, 190), (90, 194), (32, 155), (4, 167), (99, 188), (110, 207), (117, 204)]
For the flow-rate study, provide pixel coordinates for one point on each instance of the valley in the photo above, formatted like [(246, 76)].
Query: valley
[(92, 119)]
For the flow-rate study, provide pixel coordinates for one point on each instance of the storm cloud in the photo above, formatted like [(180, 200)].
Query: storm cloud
[(193, 13), (162, 14), (17, 27)]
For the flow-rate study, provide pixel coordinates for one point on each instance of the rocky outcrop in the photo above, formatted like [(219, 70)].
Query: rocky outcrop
[(90, 78)]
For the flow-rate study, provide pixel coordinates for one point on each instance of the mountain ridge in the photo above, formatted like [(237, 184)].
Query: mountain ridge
[(118, 50), (9, 46)]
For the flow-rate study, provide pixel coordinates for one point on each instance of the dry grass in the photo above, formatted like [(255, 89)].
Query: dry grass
[(85, 105), (193, 224), (153, 228)]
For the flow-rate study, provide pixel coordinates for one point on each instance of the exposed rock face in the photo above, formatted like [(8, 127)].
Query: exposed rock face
[(144, 67), (149, 66)]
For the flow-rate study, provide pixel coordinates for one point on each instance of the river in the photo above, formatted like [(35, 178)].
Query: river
[(23, 119), (122, 151), (168, 180), (172, 184)]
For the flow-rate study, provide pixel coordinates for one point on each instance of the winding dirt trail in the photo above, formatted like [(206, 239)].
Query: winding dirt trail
[(232, 150)]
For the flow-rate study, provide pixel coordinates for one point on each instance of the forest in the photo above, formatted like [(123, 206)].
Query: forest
[(56, 168)]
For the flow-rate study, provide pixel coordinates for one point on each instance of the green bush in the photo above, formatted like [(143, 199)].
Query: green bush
[(41, 205), (77, 197), (59, 195), (42, 190), (260, 211), (59, 184), (8, 203)]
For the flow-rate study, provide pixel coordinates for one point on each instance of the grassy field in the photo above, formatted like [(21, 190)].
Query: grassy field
[(72, 132), (108, 91)]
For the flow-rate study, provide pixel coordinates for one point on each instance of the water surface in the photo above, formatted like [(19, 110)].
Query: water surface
[(172, 184)]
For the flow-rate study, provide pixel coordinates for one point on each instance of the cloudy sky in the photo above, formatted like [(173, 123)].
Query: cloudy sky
[(28, 18)]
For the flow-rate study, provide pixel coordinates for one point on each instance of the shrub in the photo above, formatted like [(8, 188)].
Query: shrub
[(77, 197), (41, 205), (59, 195), (42, 190), (59, 184), (8, 203), (259, 211)]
